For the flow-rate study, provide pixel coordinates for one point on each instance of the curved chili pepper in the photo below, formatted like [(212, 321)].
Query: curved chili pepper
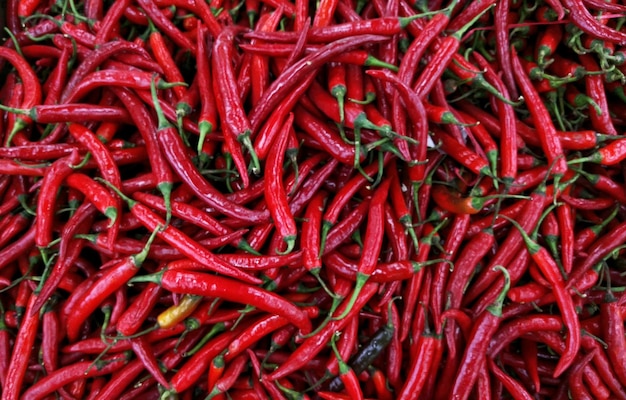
[(585, 21), (484, 328), (118, 77), (547, 133), (22, 349), (54, 84), (158, 18), (275, 194), (236, 123), (109, 282), (598, 251), (465, 264), (32, 90), (418, 114), (512, 386), (451, 201), (298, 71), (375, 26), (424, 357), (368, 353), (97, 56), (46, 202), (70, 373), (328, 138), (97, 194), (315, 343), (136, 313), (551, 272), (586, 237), (176, 154), (203, 284), (145, 352), (373, 239), (347, 375), (447, 48)]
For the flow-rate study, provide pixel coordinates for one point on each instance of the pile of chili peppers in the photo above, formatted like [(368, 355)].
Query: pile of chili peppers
[(339, 199)]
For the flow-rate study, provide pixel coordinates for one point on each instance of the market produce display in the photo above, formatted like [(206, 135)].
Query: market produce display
[(332, 199)]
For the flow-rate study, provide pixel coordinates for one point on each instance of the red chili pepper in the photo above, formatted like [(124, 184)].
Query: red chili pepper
[(451, 201), (46, 203), (164, 24), (298, 71), (547, 133), (22, 348), (228, 377), (137, 312), (237, 127), (314, 344), (347, 375), (275, 194), (32, 89), (612, 326), (420, 364), (374, 26), (417, 112), (373, 239), (484, 328), (586, 237), (311, 235), (97, 194), (584, 21), (501, 28), (145, 352), (71, 373), (461, 153), (551, 272), (513, 387), (207, 120), (197, 364), (447, 48), (202, 284), (57, 79), (113, 278)]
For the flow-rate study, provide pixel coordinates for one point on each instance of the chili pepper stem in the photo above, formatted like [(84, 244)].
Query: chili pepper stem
[(361, 280), (117, 191), (334, 305), (244, 139), (372, 61), (29, 113), (316, 273), (166, 190), (245, 246), (150, 278), (533, 246), (20, 124), (217, 328), (291, 243), (204, 128), (495, 308), (339, 92), (326, 226)]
